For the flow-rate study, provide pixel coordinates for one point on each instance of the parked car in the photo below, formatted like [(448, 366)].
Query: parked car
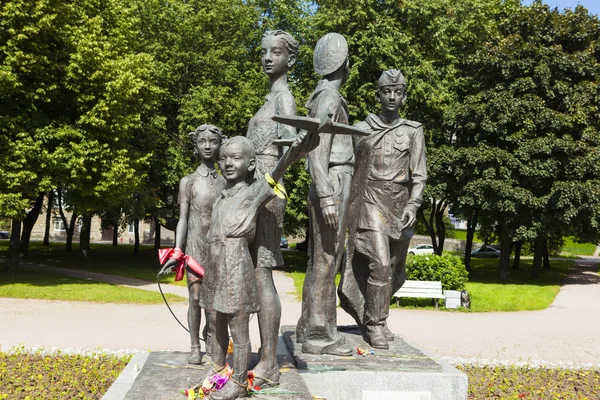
[(283, 243), (421, 249), (4, 235), (486, 251)]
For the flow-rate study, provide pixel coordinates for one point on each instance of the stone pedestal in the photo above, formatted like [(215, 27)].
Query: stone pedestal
[(401, 373), (163, 375)]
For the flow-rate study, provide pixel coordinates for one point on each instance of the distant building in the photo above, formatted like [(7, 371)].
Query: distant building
[(97, 233)]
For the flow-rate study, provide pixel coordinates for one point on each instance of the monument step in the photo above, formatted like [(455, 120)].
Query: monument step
[(404, 372), (162, 375)]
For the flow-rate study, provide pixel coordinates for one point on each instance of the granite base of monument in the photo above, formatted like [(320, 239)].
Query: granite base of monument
[(403, 372), (164, 374)]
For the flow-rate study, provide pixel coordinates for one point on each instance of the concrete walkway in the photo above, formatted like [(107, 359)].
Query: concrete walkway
[(567, 332)]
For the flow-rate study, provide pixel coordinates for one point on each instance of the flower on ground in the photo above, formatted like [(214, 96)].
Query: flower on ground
[(219, 381)]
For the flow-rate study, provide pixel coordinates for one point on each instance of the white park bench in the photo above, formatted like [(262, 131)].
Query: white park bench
[(421, 289)]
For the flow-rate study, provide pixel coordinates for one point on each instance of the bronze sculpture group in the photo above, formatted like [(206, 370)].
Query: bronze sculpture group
[(370, 186)]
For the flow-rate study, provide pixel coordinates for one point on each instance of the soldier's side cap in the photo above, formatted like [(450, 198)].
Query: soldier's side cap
[(391, 77), (331, 52)]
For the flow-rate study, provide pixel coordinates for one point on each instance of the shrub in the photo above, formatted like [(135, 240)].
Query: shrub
[(447, 268)]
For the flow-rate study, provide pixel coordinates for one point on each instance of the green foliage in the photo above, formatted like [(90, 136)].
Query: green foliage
[(528, 126), (98, 98), (555, 247), (75, 92), (26, 375), (446, 268)]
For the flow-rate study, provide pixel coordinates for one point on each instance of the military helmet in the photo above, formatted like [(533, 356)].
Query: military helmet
[(331, 52)]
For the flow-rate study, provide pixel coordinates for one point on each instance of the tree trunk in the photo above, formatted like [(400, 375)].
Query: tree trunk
[(115, 238), (14, 245), (156, 233), (84, 235), (545, 255), (136, 231), (471, 225), (29, 222), (48, 218), (429, 224), (503, 266), (517, 259), (69, 227), (537, 257), (439, 223)]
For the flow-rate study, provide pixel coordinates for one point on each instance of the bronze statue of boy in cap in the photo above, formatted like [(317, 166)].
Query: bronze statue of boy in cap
[(331, 166), (387, 190)]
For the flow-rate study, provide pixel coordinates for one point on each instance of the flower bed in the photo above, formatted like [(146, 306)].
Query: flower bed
[(38, 375), (525, 382)]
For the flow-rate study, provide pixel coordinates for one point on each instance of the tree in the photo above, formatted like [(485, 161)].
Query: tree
[(529, 126), (204, 57), (49, 206), (74, 91), (69, 226), (29, 221)]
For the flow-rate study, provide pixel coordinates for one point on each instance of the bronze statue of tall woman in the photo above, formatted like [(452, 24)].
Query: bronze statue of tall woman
[(278, 54)]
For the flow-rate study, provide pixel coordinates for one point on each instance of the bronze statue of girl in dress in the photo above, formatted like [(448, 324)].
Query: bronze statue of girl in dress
[(197, 193)]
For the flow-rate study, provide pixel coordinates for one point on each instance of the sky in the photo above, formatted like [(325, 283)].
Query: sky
[(593, 6)]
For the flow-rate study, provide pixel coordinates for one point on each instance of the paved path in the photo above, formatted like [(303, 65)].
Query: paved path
[(568, 331)]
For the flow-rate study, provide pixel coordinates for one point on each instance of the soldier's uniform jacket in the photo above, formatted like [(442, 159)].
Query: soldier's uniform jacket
[(389, 178), (390, 175)]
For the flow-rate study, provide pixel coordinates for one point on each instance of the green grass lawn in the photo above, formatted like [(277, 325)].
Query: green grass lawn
[(570, 247), (582, 249), (103, 258), (461, 234), (520, 293), (50, 286)]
